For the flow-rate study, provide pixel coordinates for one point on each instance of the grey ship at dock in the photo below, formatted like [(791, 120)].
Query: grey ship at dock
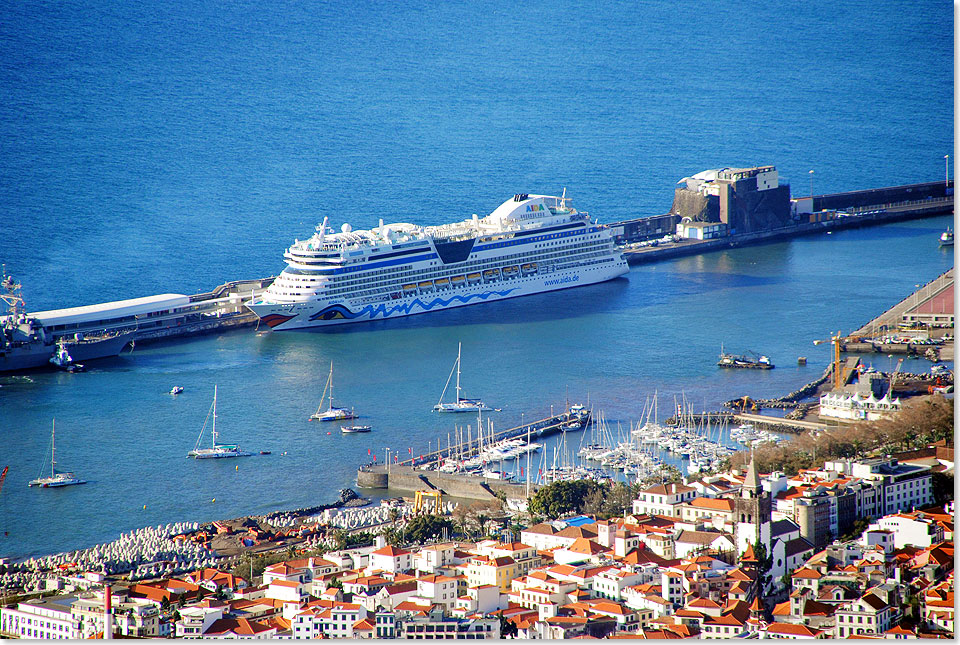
[(25, 344)]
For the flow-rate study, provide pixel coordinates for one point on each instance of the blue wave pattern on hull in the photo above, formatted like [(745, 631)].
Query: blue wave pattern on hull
[(339, 311)]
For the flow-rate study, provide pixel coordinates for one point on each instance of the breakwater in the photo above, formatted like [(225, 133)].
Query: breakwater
[(860, 217), (407, 478)]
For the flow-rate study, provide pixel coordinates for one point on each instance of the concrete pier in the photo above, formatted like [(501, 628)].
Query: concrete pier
[(407, 478)]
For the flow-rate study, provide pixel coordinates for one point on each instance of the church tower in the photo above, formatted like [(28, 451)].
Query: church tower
[(751, 512)]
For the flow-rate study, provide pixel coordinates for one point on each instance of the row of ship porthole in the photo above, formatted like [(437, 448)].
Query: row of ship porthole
[(398, 295)]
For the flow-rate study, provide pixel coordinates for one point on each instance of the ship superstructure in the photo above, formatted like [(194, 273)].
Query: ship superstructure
[(529, 244)]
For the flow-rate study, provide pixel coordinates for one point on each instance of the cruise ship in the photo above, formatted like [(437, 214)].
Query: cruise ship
[(529, 244)]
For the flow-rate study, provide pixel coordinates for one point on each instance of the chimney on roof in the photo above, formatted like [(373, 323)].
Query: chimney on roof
[(107, 613)]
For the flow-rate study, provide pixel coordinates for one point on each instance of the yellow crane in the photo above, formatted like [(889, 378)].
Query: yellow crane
[(837, 376), (427, 501)]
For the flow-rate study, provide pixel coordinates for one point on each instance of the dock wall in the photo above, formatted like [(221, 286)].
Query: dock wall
[(895, 213), (405, 478)]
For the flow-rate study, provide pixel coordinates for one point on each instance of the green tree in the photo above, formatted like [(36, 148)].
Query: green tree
[(561, 498), (594, 502), (856, 529), (619, 500), (942, 485), (764, 563), (508, 629), (423, 527)]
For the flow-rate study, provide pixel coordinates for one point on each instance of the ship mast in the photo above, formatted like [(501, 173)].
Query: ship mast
[(214, 416), (53, 449), (458, 372)]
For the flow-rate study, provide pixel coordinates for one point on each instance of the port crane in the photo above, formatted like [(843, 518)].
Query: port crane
[(835, 340)]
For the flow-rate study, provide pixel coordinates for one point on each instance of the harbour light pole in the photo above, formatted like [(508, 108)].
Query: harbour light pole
[(811, 189), (946, 159)]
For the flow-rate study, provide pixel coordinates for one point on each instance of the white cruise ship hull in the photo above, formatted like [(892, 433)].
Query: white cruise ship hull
[(318, 313), (529, 244)]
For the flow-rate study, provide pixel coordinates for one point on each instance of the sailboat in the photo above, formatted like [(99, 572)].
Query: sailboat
[(217, 450), (55, 479), (461, 404), (331, 413)]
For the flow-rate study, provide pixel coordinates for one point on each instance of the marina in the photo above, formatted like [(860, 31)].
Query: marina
[(171, 175), (231, 358)]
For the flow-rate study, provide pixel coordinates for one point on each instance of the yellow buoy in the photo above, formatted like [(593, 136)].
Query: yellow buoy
[(213, 500), (144, 507), (238, 467)]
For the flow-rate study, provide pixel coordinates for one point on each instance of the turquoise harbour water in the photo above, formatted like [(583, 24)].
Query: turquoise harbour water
[(154, 149)]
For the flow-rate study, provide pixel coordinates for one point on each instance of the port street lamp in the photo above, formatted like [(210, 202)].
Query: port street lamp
[(811, 188), (946, 159)]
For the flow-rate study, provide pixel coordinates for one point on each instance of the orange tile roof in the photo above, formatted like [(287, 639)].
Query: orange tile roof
[(712, 503), (791, 629)]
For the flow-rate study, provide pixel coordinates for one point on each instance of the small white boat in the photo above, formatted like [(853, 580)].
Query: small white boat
[(176, 389), (217, 450), (946, 238), (462, 404), (55, 480), (354, 429), (331, 413)]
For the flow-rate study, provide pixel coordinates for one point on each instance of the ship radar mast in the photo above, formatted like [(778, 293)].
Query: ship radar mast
[(10, 293)]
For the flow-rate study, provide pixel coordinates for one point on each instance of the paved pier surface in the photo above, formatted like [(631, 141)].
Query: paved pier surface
[(407, 478), (936, 294), (764, 420)]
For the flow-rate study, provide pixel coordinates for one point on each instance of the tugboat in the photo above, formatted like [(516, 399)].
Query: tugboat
[(758, 362), (62, 359)]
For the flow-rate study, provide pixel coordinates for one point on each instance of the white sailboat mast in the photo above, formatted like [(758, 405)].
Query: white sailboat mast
[(214, 416), (458, 372), (331, 385)]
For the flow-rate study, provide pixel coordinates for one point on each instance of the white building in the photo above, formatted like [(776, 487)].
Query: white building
[(48, 619), (857, 406), (911, 529), (663, 499)]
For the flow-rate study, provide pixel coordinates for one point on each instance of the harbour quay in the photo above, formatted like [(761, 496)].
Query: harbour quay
[(160, 316), (421, 473), (712, 210), (731, 207)]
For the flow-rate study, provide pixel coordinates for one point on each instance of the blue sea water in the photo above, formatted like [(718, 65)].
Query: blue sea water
[(153, 148)]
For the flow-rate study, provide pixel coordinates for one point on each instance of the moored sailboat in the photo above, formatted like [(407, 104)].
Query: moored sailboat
[(331, 413), (462, 404), (217, 450), (55, 480)]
